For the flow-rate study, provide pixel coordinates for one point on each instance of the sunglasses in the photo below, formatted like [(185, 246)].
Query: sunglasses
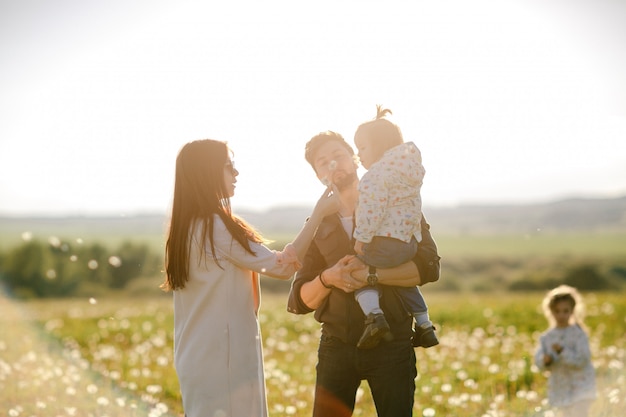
[(231, 165)]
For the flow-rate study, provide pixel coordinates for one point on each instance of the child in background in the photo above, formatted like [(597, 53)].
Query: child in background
[(564, 351), (388, 222)]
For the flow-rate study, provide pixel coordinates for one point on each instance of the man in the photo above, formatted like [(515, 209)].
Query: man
[(325, 284)]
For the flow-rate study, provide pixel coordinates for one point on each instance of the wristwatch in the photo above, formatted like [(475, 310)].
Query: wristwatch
[(372, 276)]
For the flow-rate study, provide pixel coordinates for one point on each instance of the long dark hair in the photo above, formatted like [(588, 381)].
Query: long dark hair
[(200, 194)]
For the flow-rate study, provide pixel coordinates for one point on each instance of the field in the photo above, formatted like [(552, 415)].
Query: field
[(113, 357), (461, 240)]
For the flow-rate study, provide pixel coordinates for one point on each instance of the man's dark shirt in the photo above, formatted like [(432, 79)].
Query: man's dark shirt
[(340, 314)]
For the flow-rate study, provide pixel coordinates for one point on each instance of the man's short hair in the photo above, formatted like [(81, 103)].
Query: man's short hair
[(320, 139)]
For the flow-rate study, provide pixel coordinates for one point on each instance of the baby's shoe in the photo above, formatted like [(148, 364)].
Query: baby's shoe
[(376, 328), (424, 336)]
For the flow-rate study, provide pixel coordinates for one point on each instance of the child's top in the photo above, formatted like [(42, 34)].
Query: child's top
[(572, 376), (389, 196)]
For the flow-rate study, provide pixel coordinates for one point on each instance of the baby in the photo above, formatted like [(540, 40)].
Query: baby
[(388, 222)]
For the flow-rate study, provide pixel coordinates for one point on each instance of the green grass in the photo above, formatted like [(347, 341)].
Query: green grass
[(586, 244), (114, 357), (600, 245)]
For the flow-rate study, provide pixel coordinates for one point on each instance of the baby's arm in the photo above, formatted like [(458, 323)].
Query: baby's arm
[(542, 357), (358, 247)]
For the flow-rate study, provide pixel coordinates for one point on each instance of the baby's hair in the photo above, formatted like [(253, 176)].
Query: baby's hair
[(381, 112), (564, 293), (383, 133)]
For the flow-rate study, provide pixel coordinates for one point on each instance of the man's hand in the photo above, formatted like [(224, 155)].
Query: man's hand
[(339, 275)]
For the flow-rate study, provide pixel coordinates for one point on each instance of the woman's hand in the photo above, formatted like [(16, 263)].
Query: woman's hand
[(328, 203)]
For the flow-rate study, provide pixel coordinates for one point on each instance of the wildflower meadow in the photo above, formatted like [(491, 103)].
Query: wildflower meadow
[(113, 357)]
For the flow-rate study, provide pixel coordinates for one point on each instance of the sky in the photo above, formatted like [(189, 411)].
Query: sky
[(509, 102)]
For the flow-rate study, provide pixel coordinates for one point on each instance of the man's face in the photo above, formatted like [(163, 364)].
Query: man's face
[(334, 164)]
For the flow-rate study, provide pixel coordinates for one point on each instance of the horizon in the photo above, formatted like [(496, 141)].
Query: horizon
[(301, 206)]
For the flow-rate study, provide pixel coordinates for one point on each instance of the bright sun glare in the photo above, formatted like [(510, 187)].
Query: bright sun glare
[(508, 101)]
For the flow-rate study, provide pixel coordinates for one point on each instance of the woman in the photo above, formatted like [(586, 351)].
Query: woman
[(212, 263)]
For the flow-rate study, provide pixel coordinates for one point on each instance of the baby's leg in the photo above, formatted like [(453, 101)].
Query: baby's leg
[(424, 329), (368, 299), (416, 304)]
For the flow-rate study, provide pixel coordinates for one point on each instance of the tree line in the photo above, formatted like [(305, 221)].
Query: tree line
[(60, 268)]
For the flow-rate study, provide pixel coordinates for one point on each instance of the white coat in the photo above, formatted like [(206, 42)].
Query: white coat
[(217, 342)]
